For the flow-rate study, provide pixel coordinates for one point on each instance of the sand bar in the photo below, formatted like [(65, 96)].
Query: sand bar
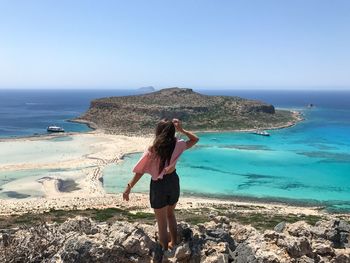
[(79, 157)]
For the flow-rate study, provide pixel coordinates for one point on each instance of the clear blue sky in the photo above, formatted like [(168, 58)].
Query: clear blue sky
[(198, 44)]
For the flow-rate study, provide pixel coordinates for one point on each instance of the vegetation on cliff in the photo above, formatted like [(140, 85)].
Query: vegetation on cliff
[(133, 114)]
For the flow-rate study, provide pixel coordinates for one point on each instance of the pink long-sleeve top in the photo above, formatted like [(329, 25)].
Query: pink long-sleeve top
[(149, 163)]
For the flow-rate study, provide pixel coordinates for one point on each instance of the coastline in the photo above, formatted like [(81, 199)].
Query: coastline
[(109, 148), (90, 124), (81, 158), (298, 117)]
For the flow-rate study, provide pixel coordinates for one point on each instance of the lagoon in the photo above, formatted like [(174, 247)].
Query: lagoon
[(308, 163)]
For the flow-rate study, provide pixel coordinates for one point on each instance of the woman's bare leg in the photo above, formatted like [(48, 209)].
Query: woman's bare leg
[(161, 216), (172, 225)]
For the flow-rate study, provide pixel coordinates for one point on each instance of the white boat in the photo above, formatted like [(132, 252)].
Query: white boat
[(263, 133), (54, 128)]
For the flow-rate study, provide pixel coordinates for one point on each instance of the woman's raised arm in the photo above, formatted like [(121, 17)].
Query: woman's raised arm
[(193, 139)]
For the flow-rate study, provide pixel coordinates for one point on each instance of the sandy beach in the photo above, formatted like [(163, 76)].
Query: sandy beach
[(47, 161), (75, 163)]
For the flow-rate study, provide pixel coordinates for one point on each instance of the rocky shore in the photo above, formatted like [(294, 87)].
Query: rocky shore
[(81, 239)]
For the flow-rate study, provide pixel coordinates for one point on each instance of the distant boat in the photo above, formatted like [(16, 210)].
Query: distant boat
[(262, 133), (310, 105), (54, 128)]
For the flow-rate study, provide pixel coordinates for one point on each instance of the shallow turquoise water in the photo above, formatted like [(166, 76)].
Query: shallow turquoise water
[(308, 163)]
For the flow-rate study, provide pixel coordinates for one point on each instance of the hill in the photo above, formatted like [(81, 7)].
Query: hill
[(139, 113)]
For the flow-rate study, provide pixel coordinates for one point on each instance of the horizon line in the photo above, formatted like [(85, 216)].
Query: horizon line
[(280, 88)]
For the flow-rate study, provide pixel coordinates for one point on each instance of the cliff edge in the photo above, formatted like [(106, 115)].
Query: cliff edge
[(82, 240)]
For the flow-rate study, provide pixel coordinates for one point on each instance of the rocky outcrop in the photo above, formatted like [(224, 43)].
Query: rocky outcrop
[(83, 240), (140, 113)]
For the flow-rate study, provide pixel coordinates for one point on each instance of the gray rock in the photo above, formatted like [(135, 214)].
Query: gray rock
[(343, 230), (244, 254), (217, 258), (184, 232), (299, 229), (322, 247), (305, 259), (272, 235), (343, 226), (298, 247), (138, 243), (336, 231), (280, 227), (220, 235), (183, 252), (78, 224), (341, 258)]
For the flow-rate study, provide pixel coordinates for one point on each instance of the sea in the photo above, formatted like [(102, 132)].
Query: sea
[(307, 164)]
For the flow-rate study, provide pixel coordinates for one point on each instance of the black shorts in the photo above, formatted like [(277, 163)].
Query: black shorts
[(165, 191)]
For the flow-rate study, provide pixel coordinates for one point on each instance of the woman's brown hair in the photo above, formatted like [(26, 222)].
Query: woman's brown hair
[(165, 141)]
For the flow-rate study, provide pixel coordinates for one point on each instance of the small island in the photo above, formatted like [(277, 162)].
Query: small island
[(146, 89), (139, 113)]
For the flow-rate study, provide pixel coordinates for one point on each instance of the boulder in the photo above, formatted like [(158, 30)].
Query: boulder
[(280, 227), (337, 231), (322, 247), (220, 235), (217, 258), (78, 224), (183, 252), (138, 243), (244, 253), (298, 247), (305, 259), (341, 258), (299, 229)]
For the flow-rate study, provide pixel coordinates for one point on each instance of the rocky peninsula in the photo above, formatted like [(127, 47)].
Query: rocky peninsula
[(138, 114)]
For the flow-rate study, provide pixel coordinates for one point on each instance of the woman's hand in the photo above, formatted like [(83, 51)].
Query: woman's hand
[(193, 139), (178, 125), (130, 185), (126, 193)]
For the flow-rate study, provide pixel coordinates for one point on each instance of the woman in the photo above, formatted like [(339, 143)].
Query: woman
[(159, 160)]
